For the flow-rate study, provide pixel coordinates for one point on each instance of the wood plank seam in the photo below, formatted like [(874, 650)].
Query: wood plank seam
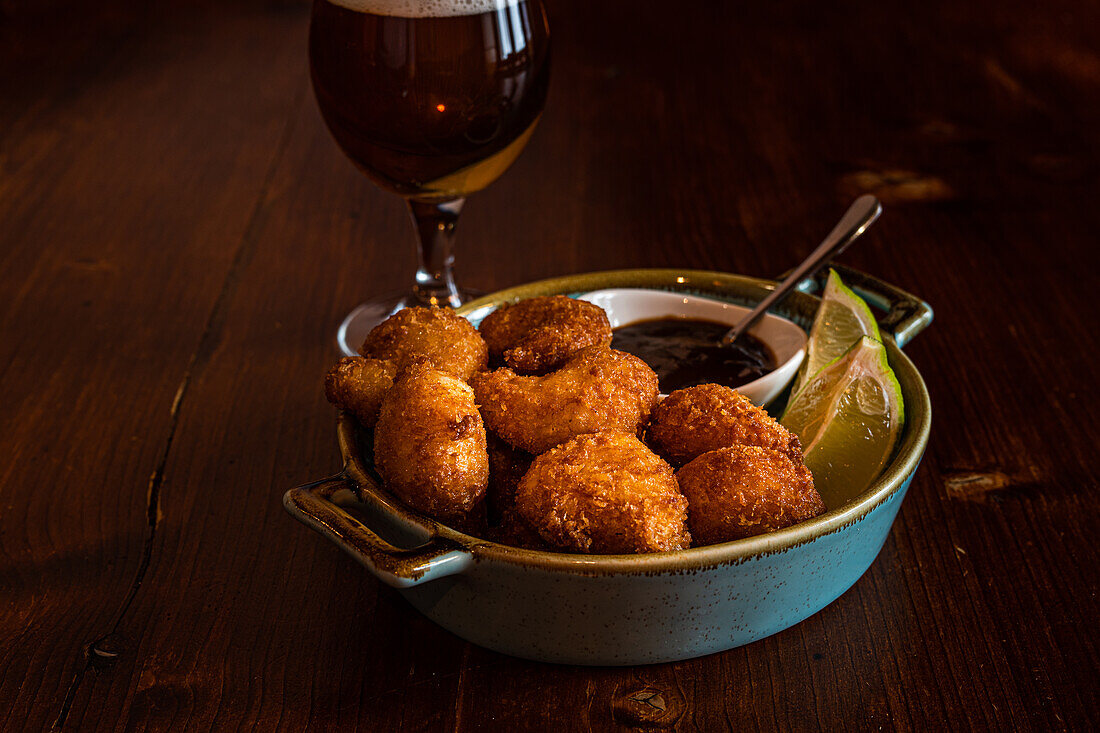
[(98, 653)]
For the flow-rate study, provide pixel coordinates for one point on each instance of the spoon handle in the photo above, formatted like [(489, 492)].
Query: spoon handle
[(860, 215)]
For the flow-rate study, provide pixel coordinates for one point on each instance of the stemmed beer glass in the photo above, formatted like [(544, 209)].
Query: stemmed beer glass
[(433, 100)]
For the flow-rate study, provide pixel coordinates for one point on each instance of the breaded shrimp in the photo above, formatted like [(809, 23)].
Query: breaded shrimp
[(604, 493), (694, 420), (358, 385), (597, 389), (536, 335), (449, 342), (429, 444), (745, 490)]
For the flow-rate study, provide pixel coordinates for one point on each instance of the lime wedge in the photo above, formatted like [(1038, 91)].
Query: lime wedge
[(841, 320), (848, 418)]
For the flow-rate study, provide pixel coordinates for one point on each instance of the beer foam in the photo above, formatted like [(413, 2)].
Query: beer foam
[(424, 8)]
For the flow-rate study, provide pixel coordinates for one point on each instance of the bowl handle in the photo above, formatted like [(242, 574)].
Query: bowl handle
[(906, 314), (310, 503)]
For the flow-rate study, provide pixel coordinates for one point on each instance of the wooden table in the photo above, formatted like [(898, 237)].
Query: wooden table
[(179, 237)]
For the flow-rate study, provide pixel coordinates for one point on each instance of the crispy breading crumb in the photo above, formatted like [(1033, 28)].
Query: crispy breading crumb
[(358, 385), (695, 420), (448, 341), (745, 490), (429, 444), (597, 389), (604, 493), (539, 334)]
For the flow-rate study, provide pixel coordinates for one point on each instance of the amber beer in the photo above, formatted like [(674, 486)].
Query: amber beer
[(431, 98)]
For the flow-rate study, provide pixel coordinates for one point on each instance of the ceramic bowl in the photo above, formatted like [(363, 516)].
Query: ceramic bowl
[(629, 609)]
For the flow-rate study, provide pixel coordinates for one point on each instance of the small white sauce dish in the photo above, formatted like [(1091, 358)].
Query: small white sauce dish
[(786, 340)]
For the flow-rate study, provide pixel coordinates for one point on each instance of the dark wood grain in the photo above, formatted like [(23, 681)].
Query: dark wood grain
[(180, 238)]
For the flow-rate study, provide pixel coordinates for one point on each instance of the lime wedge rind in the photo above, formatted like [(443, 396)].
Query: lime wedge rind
[(848, 417), (842, 318), (858, 304)]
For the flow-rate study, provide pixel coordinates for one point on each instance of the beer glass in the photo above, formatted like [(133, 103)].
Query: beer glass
[(433, 100)]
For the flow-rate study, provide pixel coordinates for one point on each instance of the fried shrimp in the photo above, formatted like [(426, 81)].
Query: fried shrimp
[(358, 385), (429, 444), (604, 493), (448, 341), (539, 334), (695, 420), (746, 490), (597, 389)]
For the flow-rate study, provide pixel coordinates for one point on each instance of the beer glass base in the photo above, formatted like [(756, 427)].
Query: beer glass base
[(355, 327)]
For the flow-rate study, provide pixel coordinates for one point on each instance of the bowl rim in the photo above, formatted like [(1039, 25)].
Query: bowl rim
[(907, 454)]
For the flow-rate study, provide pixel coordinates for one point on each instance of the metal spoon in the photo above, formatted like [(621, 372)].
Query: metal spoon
[(860, 215)]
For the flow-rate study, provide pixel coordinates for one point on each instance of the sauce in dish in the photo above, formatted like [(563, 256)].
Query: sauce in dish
[(685, 352)]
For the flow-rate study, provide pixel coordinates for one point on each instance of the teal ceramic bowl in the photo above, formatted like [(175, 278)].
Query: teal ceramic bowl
[(630, 609)]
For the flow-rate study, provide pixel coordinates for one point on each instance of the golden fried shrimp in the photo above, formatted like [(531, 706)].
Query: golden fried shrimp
[(429, 444), (358, 385), (536, 335), (745, 490), (604, 493), (597, 389), (695, 420), (449, 342)]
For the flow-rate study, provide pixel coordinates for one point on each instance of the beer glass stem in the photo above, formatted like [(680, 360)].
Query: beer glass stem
[(435, 232)]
